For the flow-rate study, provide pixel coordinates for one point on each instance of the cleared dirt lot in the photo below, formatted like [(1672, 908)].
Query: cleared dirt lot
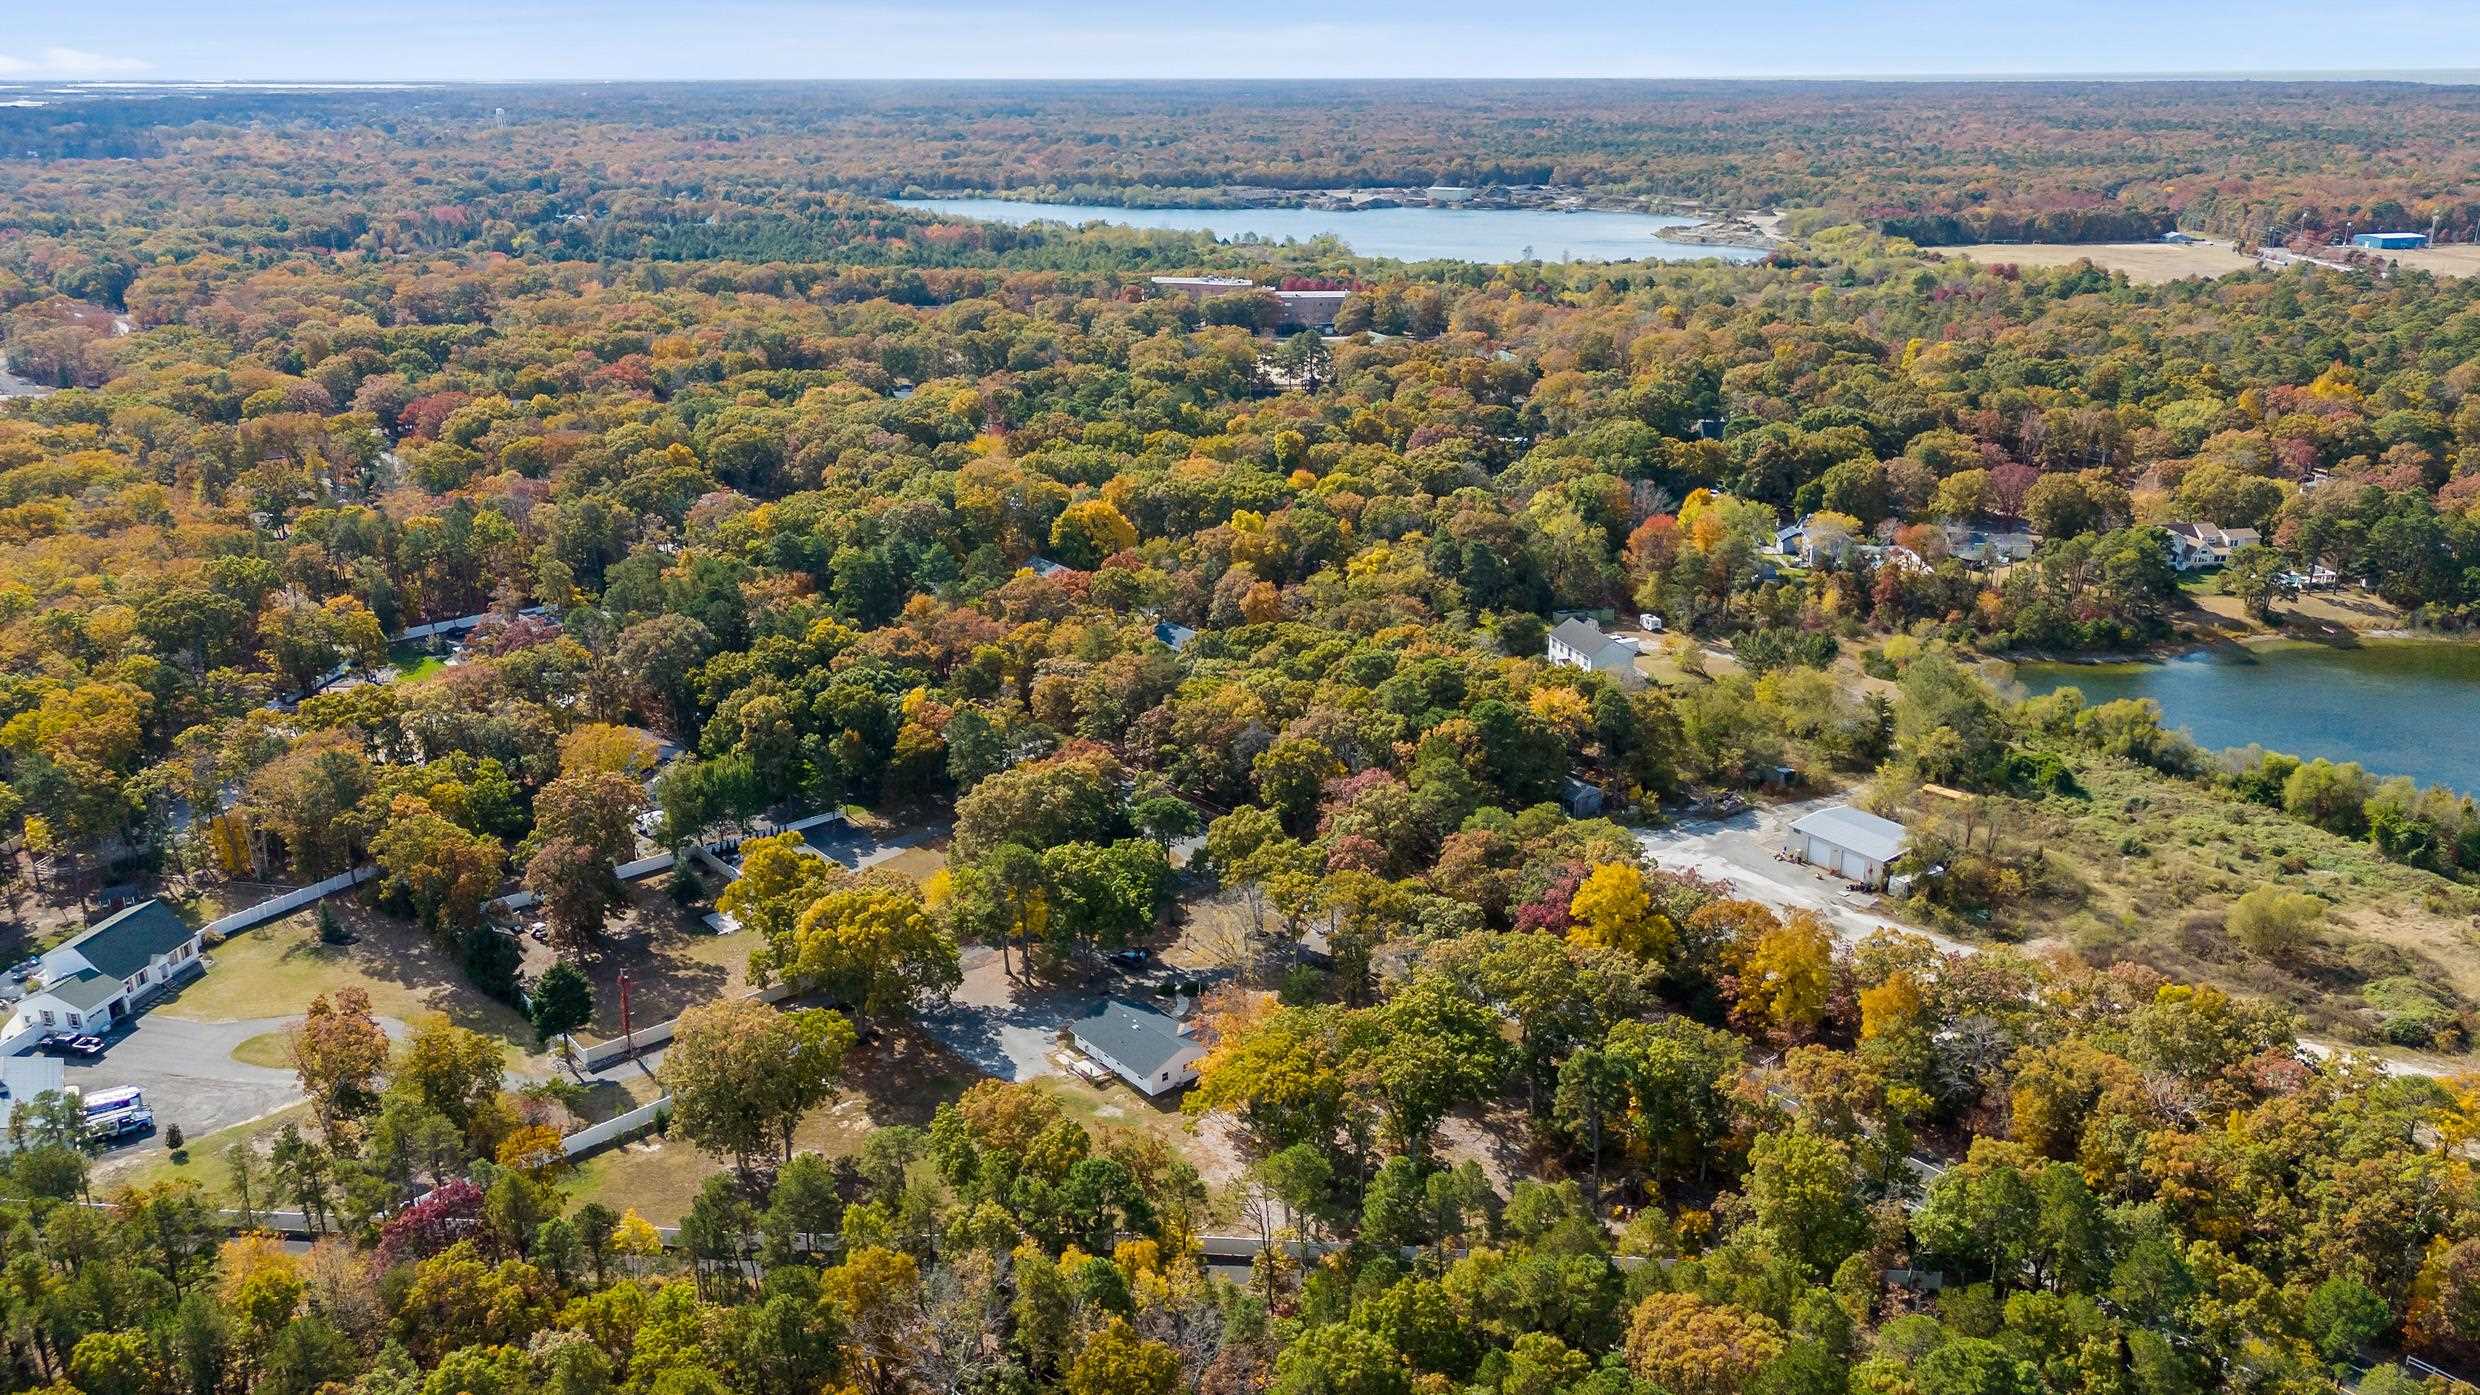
[(2146, 263)]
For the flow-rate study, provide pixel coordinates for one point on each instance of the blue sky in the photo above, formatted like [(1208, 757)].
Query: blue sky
[(498, 40)]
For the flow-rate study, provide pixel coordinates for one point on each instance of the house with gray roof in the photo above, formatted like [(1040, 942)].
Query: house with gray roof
[(1144, 1046), (1579, 643), (88, 983)]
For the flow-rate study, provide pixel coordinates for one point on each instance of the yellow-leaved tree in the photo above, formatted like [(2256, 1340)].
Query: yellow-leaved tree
[(1613, 910)]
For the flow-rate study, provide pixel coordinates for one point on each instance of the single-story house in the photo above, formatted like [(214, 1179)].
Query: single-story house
[(1044, 566), (1851, 843), (87, 984), (2194, 546), (1173, 636), (1144, 1046), (1579, 643)]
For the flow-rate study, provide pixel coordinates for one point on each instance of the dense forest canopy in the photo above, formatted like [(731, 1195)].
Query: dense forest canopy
[(1164, 619)]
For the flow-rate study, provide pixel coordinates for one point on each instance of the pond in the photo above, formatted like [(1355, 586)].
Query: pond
[(2398, 707), (1411, 234)]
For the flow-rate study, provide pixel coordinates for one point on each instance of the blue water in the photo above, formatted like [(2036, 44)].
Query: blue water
[(2398, 707), (1411, 234)]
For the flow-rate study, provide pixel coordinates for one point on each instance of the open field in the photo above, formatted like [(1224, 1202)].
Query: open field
[(2313, 615), (2146, 263), (2142, 867), (2461, 259), (900, 1079)]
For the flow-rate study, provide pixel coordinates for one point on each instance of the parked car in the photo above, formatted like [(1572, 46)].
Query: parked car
[(64, 1045), (24, 967), (1135, 957)]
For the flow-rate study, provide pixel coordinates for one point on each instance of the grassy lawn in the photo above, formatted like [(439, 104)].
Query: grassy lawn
[(919, 864), (276, 970), (414, 661), (152, 1167), (2326, 615), (266, 1049), (896, 1080)]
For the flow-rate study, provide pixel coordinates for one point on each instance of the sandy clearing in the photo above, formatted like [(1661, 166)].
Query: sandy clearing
[(2146, 263)]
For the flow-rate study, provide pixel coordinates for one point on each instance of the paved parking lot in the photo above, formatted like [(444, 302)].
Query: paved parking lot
[(189, 1075)]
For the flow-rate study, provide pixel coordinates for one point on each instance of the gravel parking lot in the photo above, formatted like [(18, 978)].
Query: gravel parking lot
[(1740, 851)]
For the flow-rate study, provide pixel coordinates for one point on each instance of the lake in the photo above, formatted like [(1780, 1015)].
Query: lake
[(2398, 707), (1411, 234)]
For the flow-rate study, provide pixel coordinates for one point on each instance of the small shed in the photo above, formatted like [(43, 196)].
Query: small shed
[(1851, 843), (1149, 1049), (1581, 799)]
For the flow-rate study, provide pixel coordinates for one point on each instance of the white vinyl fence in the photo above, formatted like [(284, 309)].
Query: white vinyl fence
[(290, 901), (603, 1053), (594, 1138)]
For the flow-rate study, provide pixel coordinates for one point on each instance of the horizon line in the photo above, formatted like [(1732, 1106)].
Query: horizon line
[(2430, 76)]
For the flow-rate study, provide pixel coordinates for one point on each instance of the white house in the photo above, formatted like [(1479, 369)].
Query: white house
[(87, 984), (1579, 643), (1149, 1049), (2194, 546), (1851, 843)]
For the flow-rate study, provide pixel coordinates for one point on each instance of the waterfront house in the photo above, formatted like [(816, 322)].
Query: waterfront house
[(2195, 546)]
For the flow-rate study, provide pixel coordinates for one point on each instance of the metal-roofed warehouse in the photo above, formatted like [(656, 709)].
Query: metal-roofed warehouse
[(1851, 843)]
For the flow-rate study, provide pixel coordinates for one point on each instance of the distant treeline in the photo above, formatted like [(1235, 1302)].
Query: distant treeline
[(1935, 162)]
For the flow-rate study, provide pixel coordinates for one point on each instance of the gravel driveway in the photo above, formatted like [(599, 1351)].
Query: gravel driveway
[(1739, 851)]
